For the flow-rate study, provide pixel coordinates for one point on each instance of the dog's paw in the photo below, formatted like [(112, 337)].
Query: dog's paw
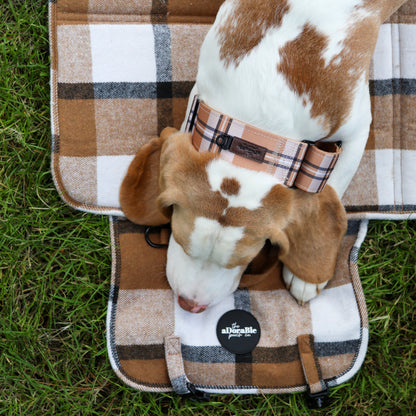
[(302, 291)]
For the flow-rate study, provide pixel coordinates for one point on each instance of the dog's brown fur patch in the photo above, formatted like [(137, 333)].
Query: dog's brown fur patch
[(384, 8), (246, 26), (329, 86), (230, 186), (309, 241)]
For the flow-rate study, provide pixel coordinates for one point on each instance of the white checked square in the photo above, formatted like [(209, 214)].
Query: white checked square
[(335, 315), (409, 167), (200, 329), (382, 67), (385, 173), (123, 53), (407, 51), (395, 52), (110, 173)]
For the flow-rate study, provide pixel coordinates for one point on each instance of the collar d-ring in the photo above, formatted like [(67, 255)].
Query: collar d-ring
[(153, 229)]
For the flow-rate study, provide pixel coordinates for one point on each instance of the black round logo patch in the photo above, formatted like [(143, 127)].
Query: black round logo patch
[(238, 331)]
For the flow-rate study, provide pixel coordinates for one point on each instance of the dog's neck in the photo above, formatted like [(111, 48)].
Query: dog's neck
[(292, 163), (308, 87)]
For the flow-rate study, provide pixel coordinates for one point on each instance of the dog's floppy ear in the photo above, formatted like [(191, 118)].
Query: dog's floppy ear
[(140, 187), (310, 240)]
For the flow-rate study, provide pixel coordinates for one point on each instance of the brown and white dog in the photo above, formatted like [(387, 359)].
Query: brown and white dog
[(295, 68)]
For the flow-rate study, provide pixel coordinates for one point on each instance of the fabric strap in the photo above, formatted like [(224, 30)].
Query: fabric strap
[(310, 364), (176, 370), (175, 365), (302, 164)]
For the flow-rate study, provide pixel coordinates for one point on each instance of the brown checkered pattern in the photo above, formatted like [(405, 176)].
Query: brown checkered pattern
[(143, 316), (293, 163), (106, 103), (121, 70)]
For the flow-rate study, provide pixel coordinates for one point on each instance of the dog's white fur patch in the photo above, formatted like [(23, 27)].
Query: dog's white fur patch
[(254, 186), (213, 243), (200, 280)]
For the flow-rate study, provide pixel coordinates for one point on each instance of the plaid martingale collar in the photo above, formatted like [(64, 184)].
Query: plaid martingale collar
[(304, 165)]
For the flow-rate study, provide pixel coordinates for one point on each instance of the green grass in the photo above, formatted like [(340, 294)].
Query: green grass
[(55, 266)]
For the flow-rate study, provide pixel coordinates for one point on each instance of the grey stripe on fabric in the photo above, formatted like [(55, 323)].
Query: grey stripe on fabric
[(125, 90), (326, 349), (354, 254), (212, 354), (163, 58), (393, 86), (242, 300)]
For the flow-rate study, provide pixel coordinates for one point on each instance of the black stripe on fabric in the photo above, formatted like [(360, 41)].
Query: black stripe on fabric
[(276, 355), (327, 349), (127, 90), (164, 90), (114, 291), (215, 131), (182, 89), (216, 354), (84, 91), (192, 115), (128, 227), (159, 12), (141, 352), (395, 209), (353, 227), (244, 359), (294, 167), (403, 86)]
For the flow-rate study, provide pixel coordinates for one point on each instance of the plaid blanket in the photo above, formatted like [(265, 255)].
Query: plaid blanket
[(143, 313), (121, 70)]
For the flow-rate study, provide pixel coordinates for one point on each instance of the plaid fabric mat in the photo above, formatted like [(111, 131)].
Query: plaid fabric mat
[(122, 70), (142, 312)]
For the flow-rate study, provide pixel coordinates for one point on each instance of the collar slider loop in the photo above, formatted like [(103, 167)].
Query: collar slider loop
[(224, 141)]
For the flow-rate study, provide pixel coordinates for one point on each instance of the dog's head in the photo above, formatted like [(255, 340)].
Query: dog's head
[(221, 216)]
